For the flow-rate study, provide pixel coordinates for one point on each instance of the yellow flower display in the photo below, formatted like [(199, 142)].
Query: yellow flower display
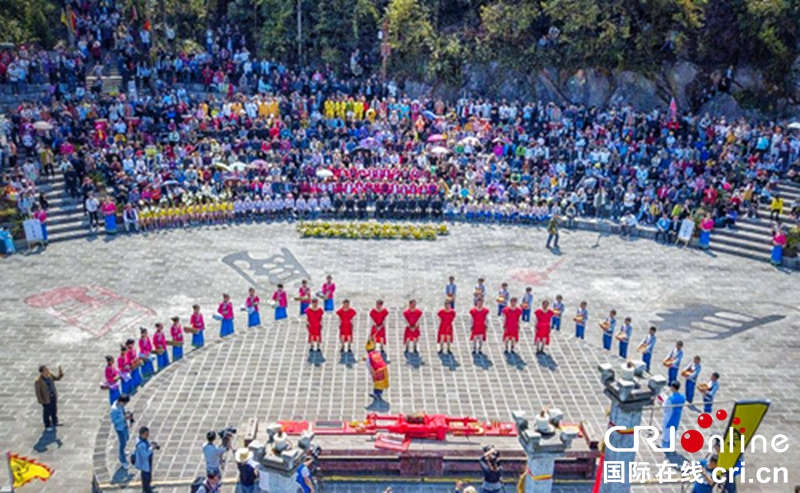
[(371, 230)]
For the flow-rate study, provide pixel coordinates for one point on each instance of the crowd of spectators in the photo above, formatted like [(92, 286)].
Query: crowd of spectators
[(259, 132)]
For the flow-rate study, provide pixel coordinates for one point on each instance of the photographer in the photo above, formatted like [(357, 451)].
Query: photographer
[(214, 454), (120, 418), (143, 458), (490, 465)]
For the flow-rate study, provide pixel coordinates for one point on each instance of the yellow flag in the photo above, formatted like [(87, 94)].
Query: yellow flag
[(746, 415), (25, 470)]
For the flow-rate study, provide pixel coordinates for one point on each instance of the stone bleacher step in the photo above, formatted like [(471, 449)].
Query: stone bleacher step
[(740, 243), (739, 252)]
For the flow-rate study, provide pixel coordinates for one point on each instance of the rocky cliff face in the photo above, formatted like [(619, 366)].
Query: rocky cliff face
[(693, 89)]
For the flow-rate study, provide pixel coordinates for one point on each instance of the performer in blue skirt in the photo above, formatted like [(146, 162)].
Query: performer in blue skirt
[(176, 331), (160, 346), (328, 289), (778, 243), (280, 299), (252, 304), (581, 318), (134, 363), (145, 348), (304, 297), (110, 215), (558, 310), (198, 326), (112, 380), (124, 370), (225, 310)]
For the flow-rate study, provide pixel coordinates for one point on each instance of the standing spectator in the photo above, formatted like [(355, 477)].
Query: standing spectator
[(93, 207), (119, 418), (47, 395), (304, 481), (247, 471), (775, 208), (214, 454), (143, 458), (552, 231)]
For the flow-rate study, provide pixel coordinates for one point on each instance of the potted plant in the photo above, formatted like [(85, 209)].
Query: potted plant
[(792, 242)]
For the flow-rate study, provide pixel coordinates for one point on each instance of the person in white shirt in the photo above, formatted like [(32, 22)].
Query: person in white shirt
[(130, 217), (92, 208)]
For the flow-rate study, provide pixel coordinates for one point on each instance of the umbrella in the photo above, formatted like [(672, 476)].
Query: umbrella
[(368, 142), (324, 173), (42, 125), (238, 166), (362, 149), (429, 115), (792, 126), (472, 141), (170, 182), (436, 138), (223, 166), (440, 151)]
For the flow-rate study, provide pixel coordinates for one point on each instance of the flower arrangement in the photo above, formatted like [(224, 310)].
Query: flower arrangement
[(371, 230)]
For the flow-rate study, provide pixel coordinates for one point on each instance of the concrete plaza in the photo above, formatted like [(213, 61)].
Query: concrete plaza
[(74, 303)]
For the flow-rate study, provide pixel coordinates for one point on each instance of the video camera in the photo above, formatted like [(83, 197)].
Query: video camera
[(226, 434)]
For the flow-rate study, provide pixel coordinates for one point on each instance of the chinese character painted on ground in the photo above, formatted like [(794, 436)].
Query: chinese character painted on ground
[(666, 472), (639, 472), (691, 472), (614, 472)]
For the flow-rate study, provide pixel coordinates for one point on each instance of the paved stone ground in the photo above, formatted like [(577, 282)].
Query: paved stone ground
[(741, 316)]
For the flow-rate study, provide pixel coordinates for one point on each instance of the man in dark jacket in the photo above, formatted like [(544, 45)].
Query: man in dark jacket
[(47, 395)]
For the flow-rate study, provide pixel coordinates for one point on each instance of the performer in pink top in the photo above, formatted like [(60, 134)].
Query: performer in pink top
[(225, 310), (124, 370), (160, 346), (304, 297), (133, 362), (176, 332), (145, 348), (279, 297), (251, 303), (328, 289), (110, 214), (112, 380), (198, 326)]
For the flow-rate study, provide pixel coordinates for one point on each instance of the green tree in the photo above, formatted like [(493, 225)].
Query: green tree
[(410, 36)]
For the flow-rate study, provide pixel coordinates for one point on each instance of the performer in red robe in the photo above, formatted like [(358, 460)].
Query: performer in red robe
[(511, 315), (411, 334), (346, 316), (478, 336), (544, 316), (314, 322), (445, 335), (378, 370), (377, 333)]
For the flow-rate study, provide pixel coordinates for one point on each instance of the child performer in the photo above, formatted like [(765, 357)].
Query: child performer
[(225, 311), (176, 331), (198, 326), (558, 309), (608, 326), (624, 337), (304, 297), (478, 335), (112, 379), (160, 345), (581, 317), (145, 348), (479, 292), (346, 315), (251, 303), (411, 335), (444, 337), (328, 289), (511, 314), (133, 362), (544, 320), (314, 323), (279, 297), (125, 371), (527, 303), (502, 299), (450, 292), (377, 333)]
